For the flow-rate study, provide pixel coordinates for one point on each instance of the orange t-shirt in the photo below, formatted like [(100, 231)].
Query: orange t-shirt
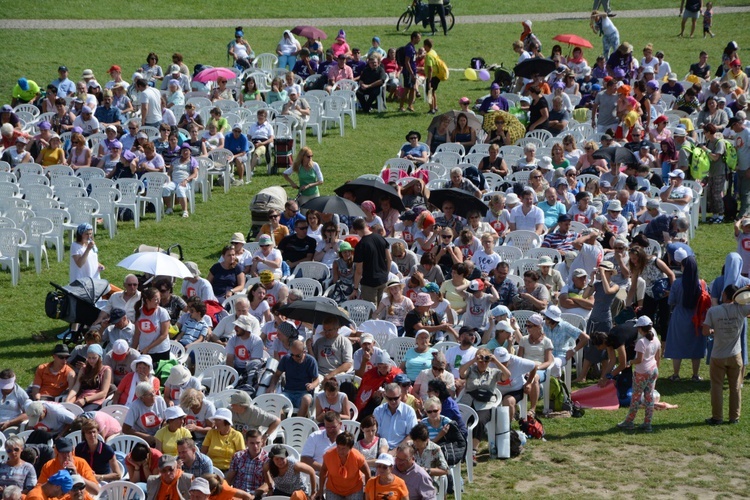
[(344, 479), (167, 491), (227, 493), (375, 491), (82, 467), (36, 493), (52, 384)]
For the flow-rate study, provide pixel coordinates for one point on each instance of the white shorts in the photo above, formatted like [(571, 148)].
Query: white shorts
[(178, 190)]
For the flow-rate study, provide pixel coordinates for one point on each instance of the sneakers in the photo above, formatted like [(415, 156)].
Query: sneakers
[(185, 214), (237, 182), (169, 211), (714, 421), (626, 425), (645, 427)]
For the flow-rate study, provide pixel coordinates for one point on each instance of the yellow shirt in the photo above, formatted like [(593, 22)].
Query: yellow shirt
[(221, 448), (169, 439), (430, 61), (52, 156)]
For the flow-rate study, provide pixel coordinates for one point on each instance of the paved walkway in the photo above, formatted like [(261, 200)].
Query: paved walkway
[(48, 24)]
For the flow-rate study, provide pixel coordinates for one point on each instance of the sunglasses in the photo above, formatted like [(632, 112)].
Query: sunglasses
[(393, 399), (438, 368), (433, 411), (274, 216), (413, 137), (446, 236), (308, 156), (302, 228)]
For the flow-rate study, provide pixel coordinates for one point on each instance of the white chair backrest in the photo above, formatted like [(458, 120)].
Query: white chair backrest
[(523, 239), (309, 287), (537, 253), (292, 453), (117, 412), (398, 346), (276, 404), (297, 430), (520, 266), (359, 310), (121, 490), (206, 355), (381, 330), (125, 442), (452, 147), (220, 377)]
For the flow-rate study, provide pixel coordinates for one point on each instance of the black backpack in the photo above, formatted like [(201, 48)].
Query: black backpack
[(477, 63), (453, 445), (516, 446), (401, 56)]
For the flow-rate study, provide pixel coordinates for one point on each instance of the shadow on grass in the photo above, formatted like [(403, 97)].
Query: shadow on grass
[(657, 428)]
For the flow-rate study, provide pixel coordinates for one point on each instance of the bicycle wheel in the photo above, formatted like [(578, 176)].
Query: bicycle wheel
[(450, 20), (404, 22)]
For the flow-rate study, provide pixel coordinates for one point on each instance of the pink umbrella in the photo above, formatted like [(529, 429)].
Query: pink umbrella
[(213, 74)]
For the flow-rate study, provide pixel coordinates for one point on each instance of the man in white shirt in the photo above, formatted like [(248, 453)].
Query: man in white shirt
[(196, 286), (527, 216), (87, 121), (321, 441), (150, 100), (246, 345), (125, 300), (461, 354), (590, 252), (675, 192), (261, 135)]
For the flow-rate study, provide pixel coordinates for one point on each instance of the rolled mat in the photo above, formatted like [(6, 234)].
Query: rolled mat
[(597, 398)]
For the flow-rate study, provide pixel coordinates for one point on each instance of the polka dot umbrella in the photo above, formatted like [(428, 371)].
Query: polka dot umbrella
[(512, 126)]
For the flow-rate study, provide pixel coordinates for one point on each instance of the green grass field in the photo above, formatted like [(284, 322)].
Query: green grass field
[(683, 458)]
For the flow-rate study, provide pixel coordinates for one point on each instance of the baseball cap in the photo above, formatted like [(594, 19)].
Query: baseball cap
[(653, 203), (167, 461), (63, 479), (114, 67), (536, 319), (240, 398), (643, 322), (120, 349), (679, 132), (381, 358), (476, 286), (605, 264), (431, 287), (502, 354), (677, 173), (62, 68), (580, 273), (402, 379), (680, 254), (237, 126), (63, 444), (366, 338), (385, 459), (345, 246), (408, 215), (734, 120), (116, 315), (34, 413), (265, 240), (200, 484), (504, 326), (564, 218)]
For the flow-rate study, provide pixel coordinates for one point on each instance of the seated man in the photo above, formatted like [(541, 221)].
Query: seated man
[(566, 339), (572, 297), (298, 247), (276, 291), (236, 142), (261, 135), (370, 394), (332, 351), (297, 107), (371, 80), (363, 359), (302, 377), (225, 329), (53, 378), (338, 71), (321, 441), (107, 114), (562, 238), (246, 345), (193, 461), (305, 65), (552, 208), (196, 286), (50, 417), (66, 460), (675, 192), (523, 380), (417, 479), (247, 417), (395, 418), (120, 360), (57, 485), (14, 400), (494, 99), (125, 300), (558, 116), (120, 327), (527, 216), (246, 469), (171, 481)]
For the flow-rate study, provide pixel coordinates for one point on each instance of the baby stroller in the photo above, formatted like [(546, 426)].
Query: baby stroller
[(504, 78), (76, 303), (273, 197)]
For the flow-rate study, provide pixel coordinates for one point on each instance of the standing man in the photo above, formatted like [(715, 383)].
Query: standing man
[(725, 322), (431, 62), (409, 72), (742, 144), (373, 258), (150, 99), (437, 7)]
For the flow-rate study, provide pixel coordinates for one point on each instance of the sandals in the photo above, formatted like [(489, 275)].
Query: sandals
[(696, 378), (674, 378)]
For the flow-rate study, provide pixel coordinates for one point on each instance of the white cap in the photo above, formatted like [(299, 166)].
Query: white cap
[(385, 459), (502, 354), (680, 254), (200, 484), (643, 322)]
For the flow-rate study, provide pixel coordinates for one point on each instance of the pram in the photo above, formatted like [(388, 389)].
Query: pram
[(76, 303), (273, 197)]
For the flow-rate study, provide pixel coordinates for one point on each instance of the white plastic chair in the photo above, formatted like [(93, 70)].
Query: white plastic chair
[(292, 453), (381, 330), (108, 199), (520, 266), (67, 181), (352, 427), (447, 158), (221, 158), (28, 169), (220, 378), (541, 134), (11, 239), (75, 436), (88, 173), (230, 302), (82, 210), (313, 270), (221, 399), (509, 253), (296, 430), (470, 418), (275, 404), (522, 316), (397, 348), (203, 182), (56, 171), (333, 112), (538, 253), (309, 287), (265, 62), (72, 408), (121, 490), (36, 229), (524, 240), (205, 355), (177, 351), (59, 218), (66, 195), (155, 182), (129, 190), (359, 310), (452, 147), (350, 98), (125, 442), (117, 412)]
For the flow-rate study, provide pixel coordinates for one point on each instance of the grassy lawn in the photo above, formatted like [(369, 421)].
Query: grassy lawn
[(683, 458), (196, 9)]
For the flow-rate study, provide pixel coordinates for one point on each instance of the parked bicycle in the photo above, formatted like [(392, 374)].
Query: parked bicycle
[(419, 12)]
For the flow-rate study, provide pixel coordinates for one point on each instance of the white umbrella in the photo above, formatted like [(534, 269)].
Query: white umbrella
[(155, 263)]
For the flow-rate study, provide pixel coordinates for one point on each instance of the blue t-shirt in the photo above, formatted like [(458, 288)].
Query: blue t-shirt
[(224, 279), (551, 212), (417, 151), (357, 67), (192, 330), (410, 56), (298, 374), (236, 145)]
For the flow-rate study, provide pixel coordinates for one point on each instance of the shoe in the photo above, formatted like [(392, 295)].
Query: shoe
[(645, 427), (719, 219), (626, 425), (431, 112), (185, 214), (734, 421), (696, 378), (474, 458), (714, 421), (169, 211), (237, 182), (674, 378), (401, 109)]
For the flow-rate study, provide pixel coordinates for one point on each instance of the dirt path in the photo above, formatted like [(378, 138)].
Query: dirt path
[(49, 24)]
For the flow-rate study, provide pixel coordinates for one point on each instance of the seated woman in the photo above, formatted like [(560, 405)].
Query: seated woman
[(419, 357), (52, 153), (80, 153), (198, 412), (437, 388), (173, 431), (343, 470), (273, 228), (529, 160), (435, 424), (414, 151), (226, 277), (532, 296), (394, 306), (343, 274), (386, 484), (439, 134), (239, 49), (287, 50), (145, 414), (17, 472), (142, 462), (494, 162), (331, 399), (587, 164), (93, 381), (427, 453), (221, 92), (222, 442), (249, 91), (480, 390), (371, 445), (183, 172), (141, 371), (463, 133), (99, 455), (283, 474), (328, 247), (266, 257)]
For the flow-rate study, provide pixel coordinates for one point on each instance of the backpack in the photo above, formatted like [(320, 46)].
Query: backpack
[(454, 445), (698, 160), (163, 369), (559, 397), (730, 154), (216, 311), (701, 308), (517, 440), (477, 63), (441, 70), (401, 56), (532, 427)]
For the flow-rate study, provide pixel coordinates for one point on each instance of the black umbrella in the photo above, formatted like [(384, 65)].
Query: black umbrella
[(535, 66), (314, 311), (616, 156), (373, 190), (464, 202), (334, 205)]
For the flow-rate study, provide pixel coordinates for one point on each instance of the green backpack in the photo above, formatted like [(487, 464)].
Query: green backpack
[(730, 154), (559, 397), (698, 160)]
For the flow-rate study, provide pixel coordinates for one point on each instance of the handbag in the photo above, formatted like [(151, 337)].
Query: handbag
[(481, 395), (660, 288), (454, 445)]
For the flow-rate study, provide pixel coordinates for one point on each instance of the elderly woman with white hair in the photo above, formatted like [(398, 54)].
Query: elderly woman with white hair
[(198, 413), (458, 181), (145, 414), (529, 160), (14, 472)]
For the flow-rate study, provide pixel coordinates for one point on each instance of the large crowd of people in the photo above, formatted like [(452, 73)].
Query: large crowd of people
[(543, 254)]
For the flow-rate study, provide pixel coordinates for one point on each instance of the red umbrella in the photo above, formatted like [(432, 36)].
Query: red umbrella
[(310, 32), (213, 74), (574, 40)]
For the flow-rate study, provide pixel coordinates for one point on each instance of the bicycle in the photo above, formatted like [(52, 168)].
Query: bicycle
[(419, 12)]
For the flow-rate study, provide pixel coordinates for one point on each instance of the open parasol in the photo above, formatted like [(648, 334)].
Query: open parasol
[(512, 127), (574, 40), (213, 74), (310, 32), (535, 66)]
